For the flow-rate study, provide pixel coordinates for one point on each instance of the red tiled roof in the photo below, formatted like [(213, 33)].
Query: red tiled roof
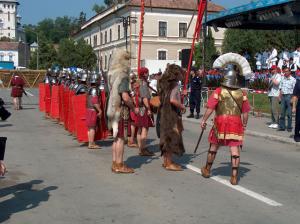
[(9, 46), (176, 4)]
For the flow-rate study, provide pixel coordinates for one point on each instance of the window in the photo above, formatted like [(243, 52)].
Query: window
[(4, 5), (182, 29), (180, 55), (162, 29), (8, 6), (162, 55), (105, 62), (105, 37), (10, 58), (8, 15), (110, 35), (1, 57), (101, 38), (119, 32), (95, 40)]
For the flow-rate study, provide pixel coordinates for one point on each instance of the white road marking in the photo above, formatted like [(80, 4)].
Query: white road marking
[(238, 188)]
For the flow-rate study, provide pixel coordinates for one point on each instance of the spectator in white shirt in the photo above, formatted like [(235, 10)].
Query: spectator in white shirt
[(286, 87), (272, 60), (273, 94)]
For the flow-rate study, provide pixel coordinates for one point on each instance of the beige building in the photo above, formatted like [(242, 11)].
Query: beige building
[(168, 28)]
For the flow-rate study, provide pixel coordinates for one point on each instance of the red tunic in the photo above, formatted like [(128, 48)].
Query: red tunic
[(228, 129), (17, 84)]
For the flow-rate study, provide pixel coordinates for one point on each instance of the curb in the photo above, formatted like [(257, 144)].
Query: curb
[(275, 138)]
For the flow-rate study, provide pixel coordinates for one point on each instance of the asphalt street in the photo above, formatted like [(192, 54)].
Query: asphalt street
[(53, 179)]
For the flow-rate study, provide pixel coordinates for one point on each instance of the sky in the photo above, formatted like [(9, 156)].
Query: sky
[(33, 11)]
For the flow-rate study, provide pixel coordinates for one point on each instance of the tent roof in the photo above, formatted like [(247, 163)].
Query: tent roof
[(260, 14)]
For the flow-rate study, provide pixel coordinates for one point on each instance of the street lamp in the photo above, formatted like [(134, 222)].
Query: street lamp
[(127, 20), (37, 50)]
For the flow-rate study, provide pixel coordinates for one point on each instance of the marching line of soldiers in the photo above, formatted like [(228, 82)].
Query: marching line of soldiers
[(77, 101)]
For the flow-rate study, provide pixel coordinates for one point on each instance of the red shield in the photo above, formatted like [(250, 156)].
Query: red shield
[(102, 130), (54, 111), (80, 118), (61, 103), (66, 107), (71, 126), (47, 98), (42, 93)]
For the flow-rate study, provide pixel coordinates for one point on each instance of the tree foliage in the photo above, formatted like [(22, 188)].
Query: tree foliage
[(98, 8), (47, 55), (54, 29), (78, 54), (253, 41), (210, 51)]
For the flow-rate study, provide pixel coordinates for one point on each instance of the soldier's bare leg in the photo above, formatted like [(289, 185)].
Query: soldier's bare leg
[(142, 138), (235, 163), (211, 155), (118, 154)]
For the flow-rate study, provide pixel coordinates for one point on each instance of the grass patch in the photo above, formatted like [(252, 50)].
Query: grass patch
[(260, 102)]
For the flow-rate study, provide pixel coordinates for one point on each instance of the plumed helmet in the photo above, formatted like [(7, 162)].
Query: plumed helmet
[(233, 78)]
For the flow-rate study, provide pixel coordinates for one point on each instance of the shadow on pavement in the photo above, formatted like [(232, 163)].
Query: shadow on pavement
[(226, 169), (23, 197), (136, 162), (5, 125)]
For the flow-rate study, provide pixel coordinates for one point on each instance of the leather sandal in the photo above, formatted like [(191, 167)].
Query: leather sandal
[(146, 152), (94, 146), (234, 178), (132, 145), (121, 168), (205, 172), (173, 167)]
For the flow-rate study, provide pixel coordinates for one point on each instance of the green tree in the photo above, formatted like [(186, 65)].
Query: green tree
[(210, 51), (78, 54), (98, 8), (253, 41), (47, 55), (86, 54), (67, 53)]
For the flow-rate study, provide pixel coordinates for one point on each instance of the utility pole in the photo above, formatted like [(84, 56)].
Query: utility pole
[(127, 20), (204, 37), (37, 52)]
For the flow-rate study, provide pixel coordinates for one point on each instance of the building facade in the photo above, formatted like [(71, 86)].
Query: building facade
[(168, 28), (10, 21), (16, 52)]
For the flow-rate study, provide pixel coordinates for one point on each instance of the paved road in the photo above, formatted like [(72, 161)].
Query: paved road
[(52, 179)]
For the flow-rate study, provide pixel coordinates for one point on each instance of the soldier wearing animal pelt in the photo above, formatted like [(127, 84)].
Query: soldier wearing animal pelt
[(119, 105), (170, 113), (231, 107)]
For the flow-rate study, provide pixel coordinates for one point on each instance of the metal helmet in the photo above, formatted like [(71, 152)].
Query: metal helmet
[(83, 77), (233, 79), (94, 78), (94, 91)]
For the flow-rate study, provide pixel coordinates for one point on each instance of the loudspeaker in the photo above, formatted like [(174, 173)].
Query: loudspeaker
[(185, 57)]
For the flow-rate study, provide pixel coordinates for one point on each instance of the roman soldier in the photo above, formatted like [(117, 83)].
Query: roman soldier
[(144, 119), (119, 105), (82, 87), (231, 108), (17, 91), (170, 113), (93, 110)]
